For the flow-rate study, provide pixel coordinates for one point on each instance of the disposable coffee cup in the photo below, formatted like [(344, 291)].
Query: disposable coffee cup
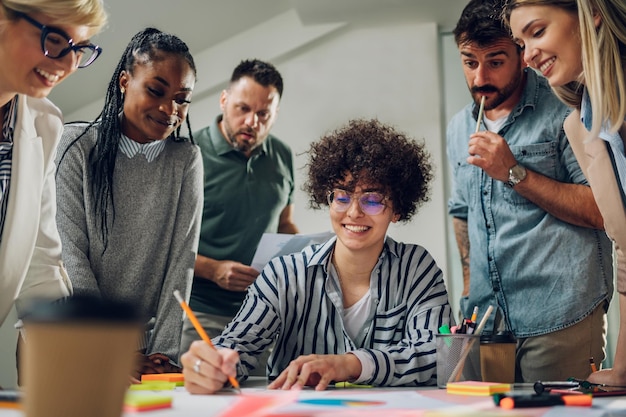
[(458, 358), (77, 357), (497, 357)]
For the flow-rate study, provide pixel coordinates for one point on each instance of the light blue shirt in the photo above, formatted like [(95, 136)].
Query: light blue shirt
[(296, 302), (543, 273), (613, 139)]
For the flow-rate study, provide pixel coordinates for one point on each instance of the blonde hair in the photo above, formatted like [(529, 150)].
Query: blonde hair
[(603, 57), (604, 60), (89, 13)]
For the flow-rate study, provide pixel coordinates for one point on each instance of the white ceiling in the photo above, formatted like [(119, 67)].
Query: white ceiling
[(205, 23)]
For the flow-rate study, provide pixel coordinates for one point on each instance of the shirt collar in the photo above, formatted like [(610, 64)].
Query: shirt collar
[(586, 114), (150, 150), (322, 256), (586, 118)]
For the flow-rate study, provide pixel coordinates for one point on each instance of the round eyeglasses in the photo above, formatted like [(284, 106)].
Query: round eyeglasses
[(371, 203), (55, 44)]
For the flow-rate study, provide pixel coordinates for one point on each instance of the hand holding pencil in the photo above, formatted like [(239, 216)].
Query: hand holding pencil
[(202, 357)]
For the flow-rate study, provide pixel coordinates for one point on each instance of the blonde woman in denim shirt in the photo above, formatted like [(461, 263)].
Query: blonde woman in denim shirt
[(587, 71)]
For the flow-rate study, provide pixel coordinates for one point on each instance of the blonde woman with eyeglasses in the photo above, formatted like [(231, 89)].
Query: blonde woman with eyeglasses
[(42, 42), (360, 307)]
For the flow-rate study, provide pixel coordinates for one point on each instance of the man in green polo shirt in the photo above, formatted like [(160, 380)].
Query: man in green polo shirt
[(248, 190)]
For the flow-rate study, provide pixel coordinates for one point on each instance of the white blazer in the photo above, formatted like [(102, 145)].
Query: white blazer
[(30, 251)]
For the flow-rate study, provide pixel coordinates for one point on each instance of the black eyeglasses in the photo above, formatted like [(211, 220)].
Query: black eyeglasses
[(56, 44)]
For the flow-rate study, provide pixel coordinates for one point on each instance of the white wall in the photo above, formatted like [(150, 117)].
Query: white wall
[(332, 73), (361, 72)]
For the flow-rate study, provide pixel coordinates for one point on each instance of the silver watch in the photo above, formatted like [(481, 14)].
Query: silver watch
[(517, 174)]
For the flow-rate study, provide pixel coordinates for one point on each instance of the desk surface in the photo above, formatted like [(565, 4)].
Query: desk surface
[(362, 402)]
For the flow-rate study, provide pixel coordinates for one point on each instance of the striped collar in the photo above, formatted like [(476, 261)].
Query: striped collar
[(150, 150)]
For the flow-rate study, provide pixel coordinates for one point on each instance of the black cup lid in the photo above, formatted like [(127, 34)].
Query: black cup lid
[(499, 337), (82, 308)]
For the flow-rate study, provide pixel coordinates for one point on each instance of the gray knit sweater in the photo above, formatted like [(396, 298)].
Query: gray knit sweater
[(153, 239)]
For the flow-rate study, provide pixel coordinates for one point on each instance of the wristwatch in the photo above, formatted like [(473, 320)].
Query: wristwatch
[(517, 173)]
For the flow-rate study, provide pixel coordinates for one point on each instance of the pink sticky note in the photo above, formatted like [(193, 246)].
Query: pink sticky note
[(259, 404)]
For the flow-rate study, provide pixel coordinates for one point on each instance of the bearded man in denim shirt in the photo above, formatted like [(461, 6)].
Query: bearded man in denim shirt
[(528, 229)]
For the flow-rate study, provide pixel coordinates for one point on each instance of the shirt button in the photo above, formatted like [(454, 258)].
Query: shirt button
[(496, 288), (485, 193)]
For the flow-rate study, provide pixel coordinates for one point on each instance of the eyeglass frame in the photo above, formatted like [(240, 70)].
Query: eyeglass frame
[(45, 30), (364, 209)]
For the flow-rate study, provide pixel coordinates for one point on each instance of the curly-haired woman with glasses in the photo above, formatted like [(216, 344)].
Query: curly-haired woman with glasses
[(41, 43), (361, 307)]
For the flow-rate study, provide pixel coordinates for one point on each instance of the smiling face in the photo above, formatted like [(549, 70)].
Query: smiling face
[(249, 112), (25, 69), (493, 71), (358, 232), (551, 40), (156, 97)]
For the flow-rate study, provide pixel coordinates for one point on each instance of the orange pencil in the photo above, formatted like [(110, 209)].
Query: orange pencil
[(592, 363), (201, 332)]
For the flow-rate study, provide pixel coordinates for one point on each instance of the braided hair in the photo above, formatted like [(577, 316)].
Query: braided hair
[(143, 48)]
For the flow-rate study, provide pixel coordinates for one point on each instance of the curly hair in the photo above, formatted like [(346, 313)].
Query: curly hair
[(370, 151)]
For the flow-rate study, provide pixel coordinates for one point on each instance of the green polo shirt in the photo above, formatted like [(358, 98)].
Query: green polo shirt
[(243, 198)]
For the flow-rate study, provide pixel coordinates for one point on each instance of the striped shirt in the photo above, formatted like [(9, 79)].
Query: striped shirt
[(6, 157), (297, 303)]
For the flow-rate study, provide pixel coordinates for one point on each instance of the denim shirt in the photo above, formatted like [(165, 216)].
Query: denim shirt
[(544, 274)]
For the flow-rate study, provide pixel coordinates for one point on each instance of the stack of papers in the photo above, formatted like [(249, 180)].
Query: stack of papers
[(176, 378), (477, 388), (134, 402)]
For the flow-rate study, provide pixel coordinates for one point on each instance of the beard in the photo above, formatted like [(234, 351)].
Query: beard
[(243, 145), (502, 94)]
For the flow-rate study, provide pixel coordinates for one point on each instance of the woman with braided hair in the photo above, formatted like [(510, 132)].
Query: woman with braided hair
[(130, 192)]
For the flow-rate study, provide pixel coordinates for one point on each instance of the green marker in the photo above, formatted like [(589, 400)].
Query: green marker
[(346, 384)]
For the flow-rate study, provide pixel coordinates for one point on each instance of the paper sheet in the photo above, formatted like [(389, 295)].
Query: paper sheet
[(272, 245)]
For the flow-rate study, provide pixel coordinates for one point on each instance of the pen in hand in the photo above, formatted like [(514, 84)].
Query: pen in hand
[(201, 332), (481, 111)]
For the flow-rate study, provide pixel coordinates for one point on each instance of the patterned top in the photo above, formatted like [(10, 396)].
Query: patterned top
[(297, 302), (6, 157)]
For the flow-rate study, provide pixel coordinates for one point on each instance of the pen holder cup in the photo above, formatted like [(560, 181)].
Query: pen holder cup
[(77, 357), (458, 358), (497, 357)]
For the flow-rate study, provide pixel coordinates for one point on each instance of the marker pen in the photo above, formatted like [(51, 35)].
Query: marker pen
[(543, 400)]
